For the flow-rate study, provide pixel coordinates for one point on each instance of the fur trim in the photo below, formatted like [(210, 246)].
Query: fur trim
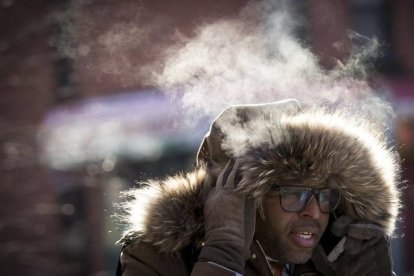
[(317, 149), (312, 148), (167, 214)]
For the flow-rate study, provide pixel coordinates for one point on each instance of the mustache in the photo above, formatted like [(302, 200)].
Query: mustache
[(306, 223)]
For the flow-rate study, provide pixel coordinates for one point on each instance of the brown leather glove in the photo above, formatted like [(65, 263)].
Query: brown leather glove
[(363, 250), (229, 223)]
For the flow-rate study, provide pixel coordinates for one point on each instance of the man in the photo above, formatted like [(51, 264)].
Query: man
[(277, 191)]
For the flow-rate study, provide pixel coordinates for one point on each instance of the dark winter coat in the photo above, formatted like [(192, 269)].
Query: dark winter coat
[(166, 217)]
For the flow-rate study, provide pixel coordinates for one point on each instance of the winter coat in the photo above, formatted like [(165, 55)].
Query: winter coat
[(139, 258), (166, 216)]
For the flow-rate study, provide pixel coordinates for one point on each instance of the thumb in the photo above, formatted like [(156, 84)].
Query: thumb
[(249, 223)]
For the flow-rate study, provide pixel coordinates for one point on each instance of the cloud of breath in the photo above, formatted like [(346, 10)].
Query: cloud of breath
[(256, 58)]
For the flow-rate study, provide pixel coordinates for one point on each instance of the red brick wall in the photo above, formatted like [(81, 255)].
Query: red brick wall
[(28, 224)]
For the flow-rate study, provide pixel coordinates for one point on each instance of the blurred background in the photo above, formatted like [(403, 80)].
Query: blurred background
[(78, 124)]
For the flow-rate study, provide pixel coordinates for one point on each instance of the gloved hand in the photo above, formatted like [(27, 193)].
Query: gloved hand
[(363, 250), (229, 223)]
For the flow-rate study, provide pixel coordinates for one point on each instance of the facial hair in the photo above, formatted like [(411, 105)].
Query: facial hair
[(281, 249)]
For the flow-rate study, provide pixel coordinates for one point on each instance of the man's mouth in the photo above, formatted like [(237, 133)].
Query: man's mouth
[(305, 235), (304, 238)]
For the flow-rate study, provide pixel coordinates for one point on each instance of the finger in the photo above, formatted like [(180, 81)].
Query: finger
[(207, 187), (230, 179), (337, 251), (249, 220), (219, 182), (365, 231), (353, 246), (341, 225)]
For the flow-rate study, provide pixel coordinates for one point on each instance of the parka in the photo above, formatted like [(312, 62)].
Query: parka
[(165, 217)]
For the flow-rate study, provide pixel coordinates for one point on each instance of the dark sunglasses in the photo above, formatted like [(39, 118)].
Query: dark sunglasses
[(295, 198)]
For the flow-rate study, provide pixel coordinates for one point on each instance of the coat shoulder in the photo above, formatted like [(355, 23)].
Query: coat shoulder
[(140, 258), (167, 214)]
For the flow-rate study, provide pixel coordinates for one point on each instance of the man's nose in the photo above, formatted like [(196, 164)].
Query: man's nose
[(312, 209)]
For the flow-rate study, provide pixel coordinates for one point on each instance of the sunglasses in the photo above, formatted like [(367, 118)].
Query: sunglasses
[(295, 198)]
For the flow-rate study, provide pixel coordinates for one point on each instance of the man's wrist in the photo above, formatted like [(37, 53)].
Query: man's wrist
[(225, 254)]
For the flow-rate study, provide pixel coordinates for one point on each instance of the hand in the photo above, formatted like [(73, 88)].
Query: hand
[(229, 223), (363, 250)]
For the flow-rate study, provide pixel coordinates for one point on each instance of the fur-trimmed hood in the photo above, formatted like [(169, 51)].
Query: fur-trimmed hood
[(315, 147)]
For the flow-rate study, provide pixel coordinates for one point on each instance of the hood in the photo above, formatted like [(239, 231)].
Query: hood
[(315, 147)]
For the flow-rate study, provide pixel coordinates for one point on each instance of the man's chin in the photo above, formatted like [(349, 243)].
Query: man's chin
[(299, 256), (300, 259), (288, 253)]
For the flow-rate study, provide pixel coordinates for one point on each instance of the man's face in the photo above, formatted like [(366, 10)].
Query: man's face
[(290, 237)]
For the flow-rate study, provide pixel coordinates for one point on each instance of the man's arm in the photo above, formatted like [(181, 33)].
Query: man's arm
[(229, 225)]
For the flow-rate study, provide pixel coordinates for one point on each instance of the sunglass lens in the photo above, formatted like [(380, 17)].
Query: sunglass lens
[(294, 199), (328, 200)]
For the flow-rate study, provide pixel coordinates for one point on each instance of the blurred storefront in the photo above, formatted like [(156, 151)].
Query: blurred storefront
[(99, 147)]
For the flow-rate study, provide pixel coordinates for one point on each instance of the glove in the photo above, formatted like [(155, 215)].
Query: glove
[(229, 223), (363, 250)]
